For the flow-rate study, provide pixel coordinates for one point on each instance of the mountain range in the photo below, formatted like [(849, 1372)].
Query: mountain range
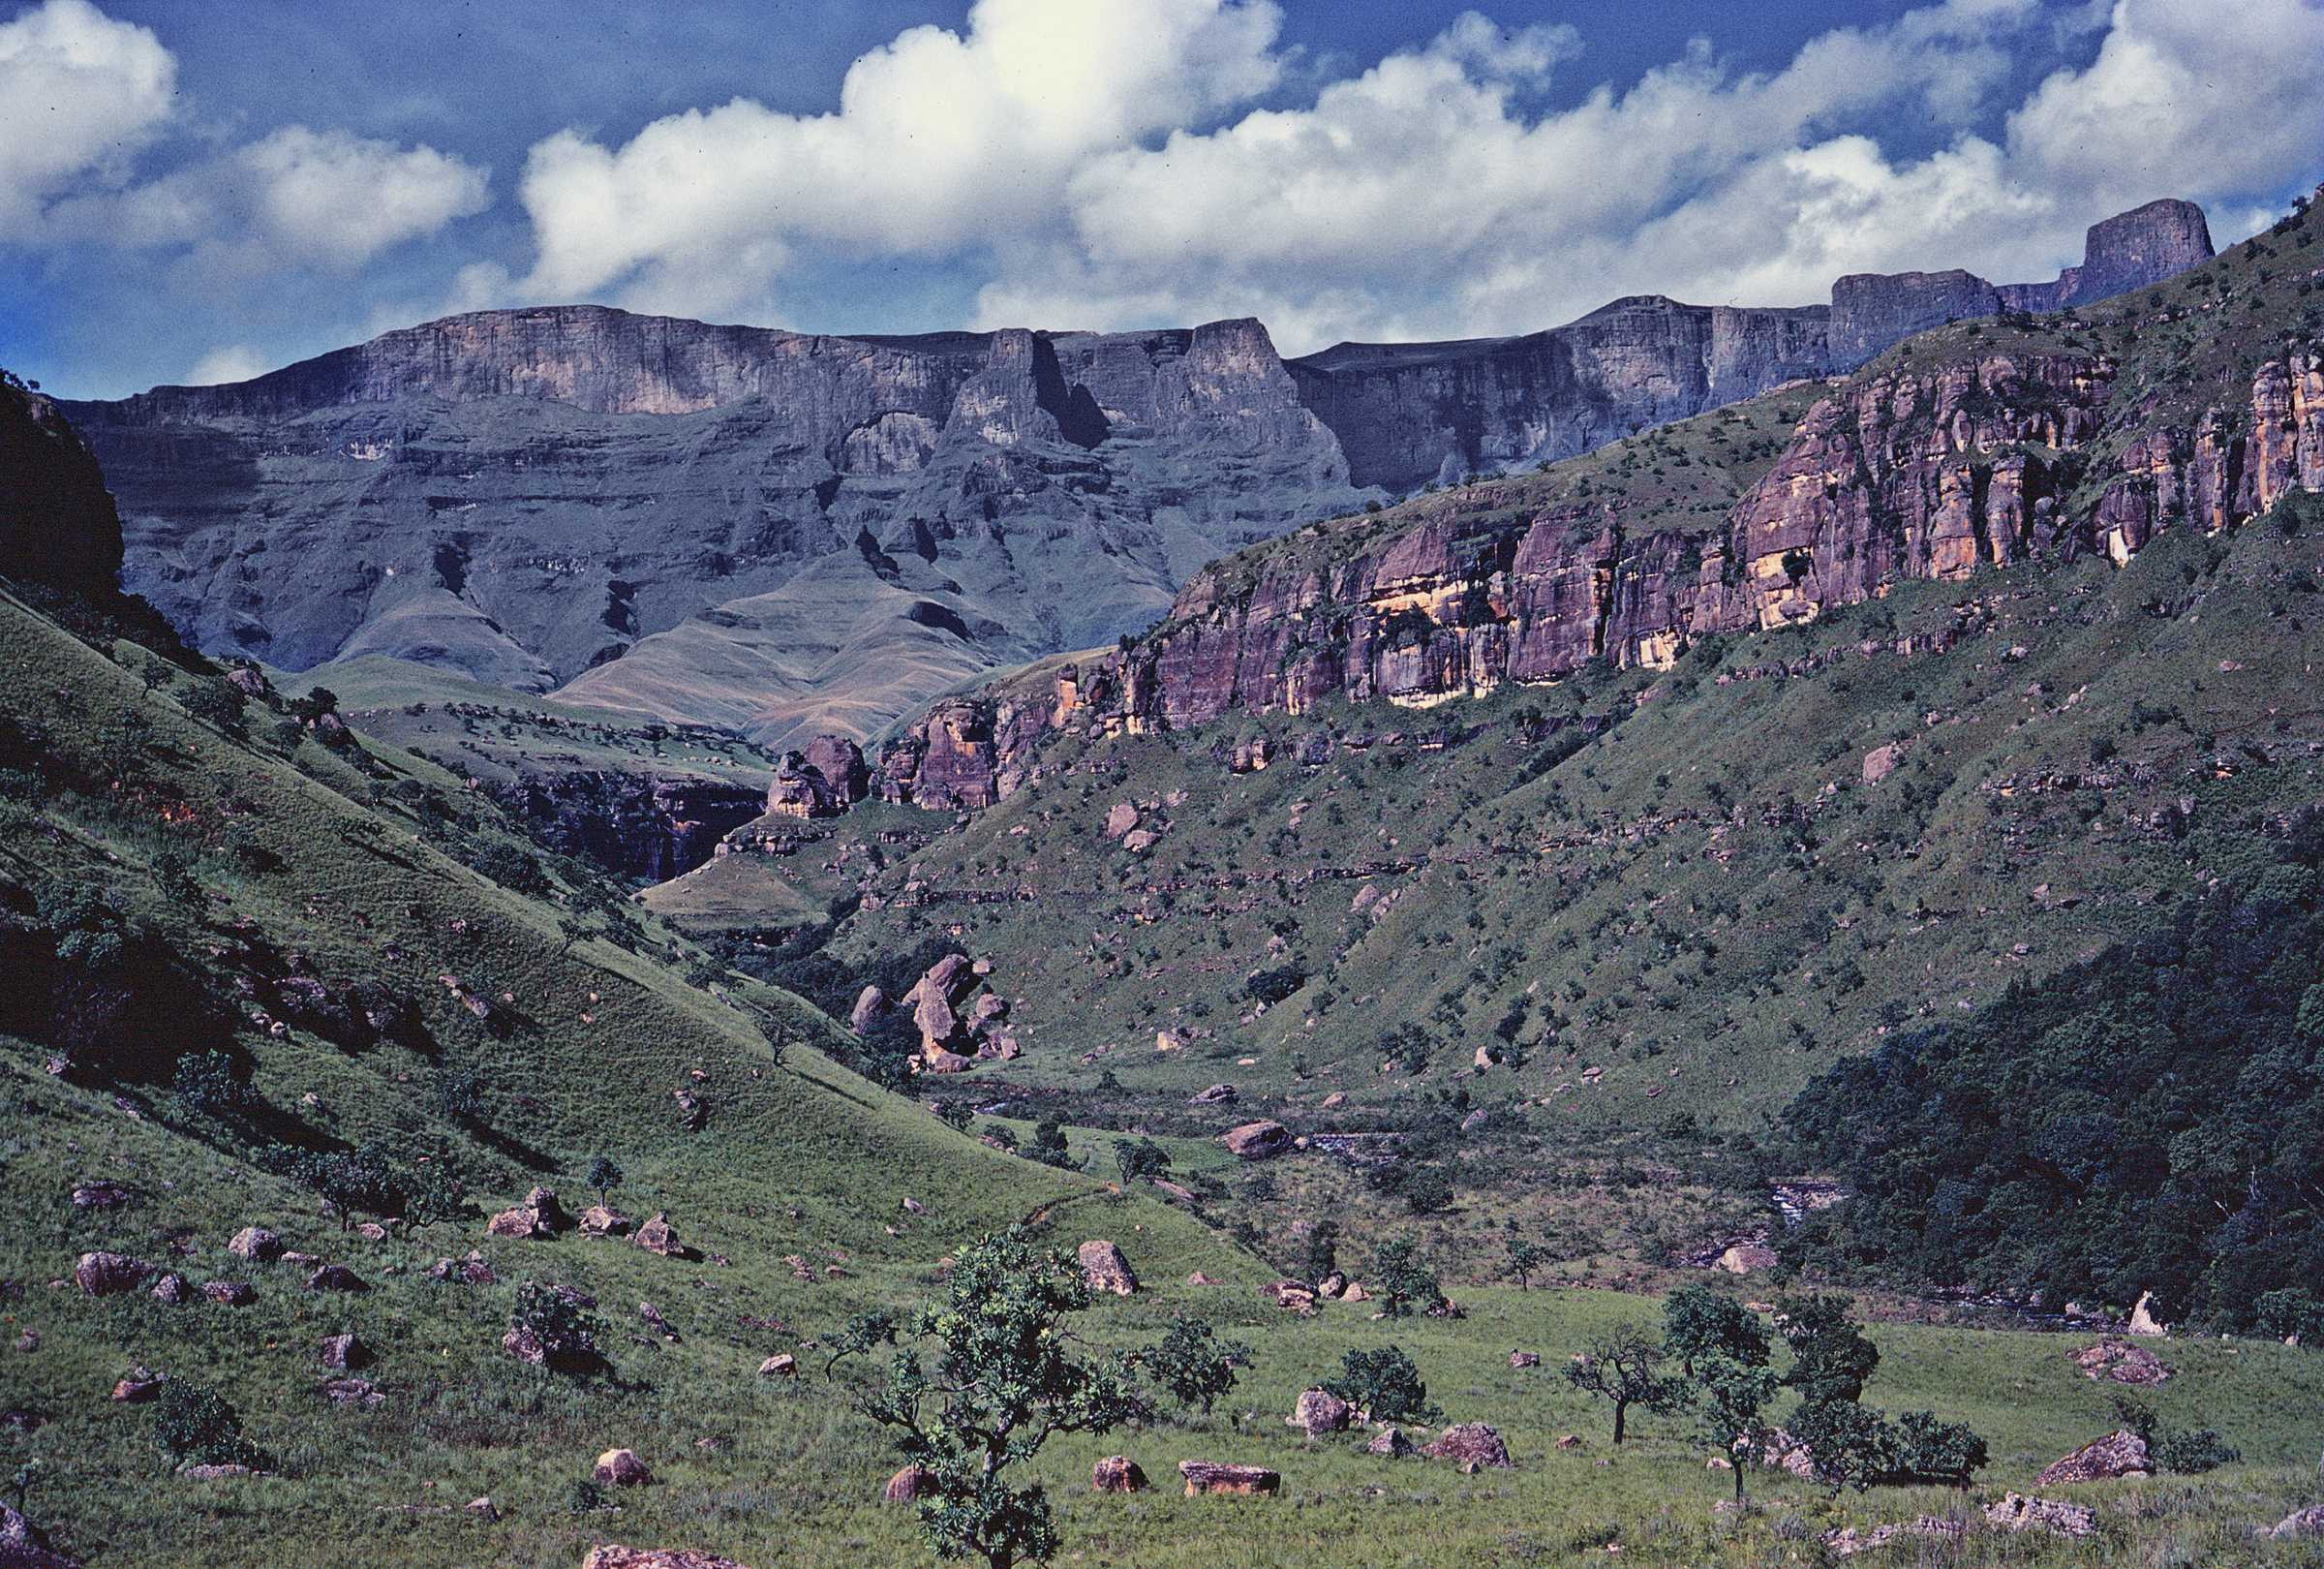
[(783, 535)]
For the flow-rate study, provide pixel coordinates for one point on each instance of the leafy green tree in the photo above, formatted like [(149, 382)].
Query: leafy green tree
[(205, 1085), (1934, 1451), (1048, 1146), (1322, 1257), (1526, 1257), (563, 1333), (1144, 1158), (603, 1176), (319, 701), (1403, 1280), (1192, 1365), (1623, 1367), (956, 1113), (1384, 1384), (1699, 1324), (1830, 1359), (2291, 1312), (1851, 1446), (429, 1196), (863, 1332), (1006, 1377), (1735, 1394)]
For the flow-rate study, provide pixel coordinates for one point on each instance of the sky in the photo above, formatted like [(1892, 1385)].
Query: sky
[(195, 191)]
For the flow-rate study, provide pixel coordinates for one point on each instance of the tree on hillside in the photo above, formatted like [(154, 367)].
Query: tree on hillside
[(1623, 1367), (1830, 1358), (1192, 1365), (1700, 1325), (1006, 1377), (1384, 1385), (1735, 1394), (1526, 1257), (603, 1176), (1402, 1279)]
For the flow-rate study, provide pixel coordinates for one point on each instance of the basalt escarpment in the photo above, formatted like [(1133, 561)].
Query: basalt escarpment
[(634, 825), (58, 524), (1900, 473), (773, 532), (2131, 250), (1411, 412)]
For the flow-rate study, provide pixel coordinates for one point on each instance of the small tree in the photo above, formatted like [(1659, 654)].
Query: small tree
[(1322, 1257), (1192, 1365), (603, 1176), (1384, 1385), (1733, 1395), (1048, 1146), (549, 1328), (1403, 1280), (1143, 1159), (1698, 1325), (1526, 1257), (1934, 1451), (956, 1114), (1005, 1379), (1851, 1446), (1622, 1367), (1830, 1359)]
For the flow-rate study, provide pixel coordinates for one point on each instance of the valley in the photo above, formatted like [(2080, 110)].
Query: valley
[(1854, 832)]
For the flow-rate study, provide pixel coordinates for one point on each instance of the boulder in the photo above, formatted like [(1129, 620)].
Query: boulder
[(1140, 839), (1104, 1269), (1120, 820), (231, 1293), (1257, 1141), (100, 1196), (1746, 1258), (938, 1061), (109, 1275), (2121, 1363), (1318, 1412), (599, 1221), (557, 1355), (910, 1483), (1289, 1293), (782, 1364), (1392, 1442), (139, 1385), (1198, 1279), (2142, 1317), (1207, 1476), (336, 1278), (254, 1244), (1118, 1473), (1570, 1440), (172, 1289), (1354, 1293), (1332, 1101), (2299, 1523), (2018, 1513), (26, 1545), (1218, 1094), (542, 1201), (1846, 1541), (1882, 761), (2117, 1454), (657, 1237), (1332, 1285), (1524, 1358), (1472, 1443), (484, 1508), (870, 1003), (359, 1392), (517, 1222), (619, 1468), (343, 1351), (613, 1556)]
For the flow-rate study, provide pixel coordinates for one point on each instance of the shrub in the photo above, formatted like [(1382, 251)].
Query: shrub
[(1192, 1365), (1852, 1447), (1048, 1146), (1144, 1158), (195, 1425), (1384, 1384), (1934, 1451), (216, 703)]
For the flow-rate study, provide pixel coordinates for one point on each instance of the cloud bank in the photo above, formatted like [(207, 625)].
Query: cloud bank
[(1100, 166), (82, 96)]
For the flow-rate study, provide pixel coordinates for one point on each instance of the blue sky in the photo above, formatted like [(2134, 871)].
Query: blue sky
[(203, 191)]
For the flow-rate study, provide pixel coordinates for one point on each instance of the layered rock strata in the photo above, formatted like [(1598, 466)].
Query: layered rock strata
[(1899, 475)]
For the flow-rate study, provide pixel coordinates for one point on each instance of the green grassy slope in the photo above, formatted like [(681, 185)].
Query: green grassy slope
[(277, 845)]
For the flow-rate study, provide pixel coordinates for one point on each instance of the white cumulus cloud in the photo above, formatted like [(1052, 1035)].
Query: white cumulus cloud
[(943, 143), (78, 93)]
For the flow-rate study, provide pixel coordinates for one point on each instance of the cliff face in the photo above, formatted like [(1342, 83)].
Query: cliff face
[(58, 524), (1408, 412), (2131, 250), (1902, 473), (773, 532)]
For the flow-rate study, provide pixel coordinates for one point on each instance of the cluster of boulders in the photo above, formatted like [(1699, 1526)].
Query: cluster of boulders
[(1471, 1445), (960, 1021), (1302, 1296), (541, 1217), (101, 1274), (2117, 1454), (2121, 1363)]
